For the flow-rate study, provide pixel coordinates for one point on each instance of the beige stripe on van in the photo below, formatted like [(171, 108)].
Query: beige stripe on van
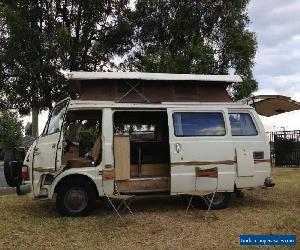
[(226, 162), (261, 161), (43, 170)]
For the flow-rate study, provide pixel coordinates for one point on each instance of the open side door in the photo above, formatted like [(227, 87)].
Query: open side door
[(47, 151), (269, 105)]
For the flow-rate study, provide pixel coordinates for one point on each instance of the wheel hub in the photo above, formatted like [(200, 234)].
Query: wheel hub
[(76, 199)]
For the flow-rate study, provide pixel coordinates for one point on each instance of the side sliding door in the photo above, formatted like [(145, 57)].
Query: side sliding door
[(199, 137)]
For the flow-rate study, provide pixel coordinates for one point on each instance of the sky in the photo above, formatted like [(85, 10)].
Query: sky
[(277, 68), (277, 63)]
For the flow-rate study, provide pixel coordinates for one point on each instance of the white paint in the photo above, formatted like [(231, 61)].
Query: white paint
[(152, 76)]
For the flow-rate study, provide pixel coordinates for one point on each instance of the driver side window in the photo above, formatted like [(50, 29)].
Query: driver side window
[(56, 119)]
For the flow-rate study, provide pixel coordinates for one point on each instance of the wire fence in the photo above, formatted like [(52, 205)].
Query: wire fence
[(285, 148)]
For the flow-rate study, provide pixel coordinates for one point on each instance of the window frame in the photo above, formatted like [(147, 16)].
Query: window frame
[(253, 122), (46, 128), (200, 111)]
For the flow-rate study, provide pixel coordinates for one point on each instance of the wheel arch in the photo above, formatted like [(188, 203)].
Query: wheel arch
[(63, 179)]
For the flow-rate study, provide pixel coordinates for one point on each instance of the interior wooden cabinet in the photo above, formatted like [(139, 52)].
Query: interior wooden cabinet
[(122, 157), (141, 149)]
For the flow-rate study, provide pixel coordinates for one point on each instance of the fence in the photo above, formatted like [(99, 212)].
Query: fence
[(285, 148)]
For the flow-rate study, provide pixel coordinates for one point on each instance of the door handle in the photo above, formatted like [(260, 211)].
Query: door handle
[(177, 147), (53, 145)]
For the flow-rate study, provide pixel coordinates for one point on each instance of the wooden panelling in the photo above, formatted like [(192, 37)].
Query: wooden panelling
[(144, 185), (134, 170), (154, 91), (122, 157), (93, 91), (210, 172), (108, 174), (72, 153), (79, 163), (261, 161), (159, 169)]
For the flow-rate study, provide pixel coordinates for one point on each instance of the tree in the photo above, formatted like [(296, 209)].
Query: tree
[(202, 37), (28, 129), (11, 130), (91, 33), (30, 68), (39, 39)]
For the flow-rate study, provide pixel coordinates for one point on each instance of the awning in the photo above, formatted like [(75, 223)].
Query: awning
[(269, 105)]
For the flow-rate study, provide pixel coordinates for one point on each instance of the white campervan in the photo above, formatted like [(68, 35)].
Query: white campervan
[(105, 138)]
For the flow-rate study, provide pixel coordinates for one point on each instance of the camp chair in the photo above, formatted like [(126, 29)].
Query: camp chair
[(117, 200), (200, 174)]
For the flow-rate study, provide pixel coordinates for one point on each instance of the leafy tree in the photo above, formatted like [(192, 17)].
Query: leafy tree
[(30, 67), (202, 37), (91, 33), (11, 130), (39, 39)]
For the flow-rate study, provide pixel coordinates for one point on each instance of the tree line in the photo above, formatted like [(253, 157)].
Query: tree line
[(42, 40)]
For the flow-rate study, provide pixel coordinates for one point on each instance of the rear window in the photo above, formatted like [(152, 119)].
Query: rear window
[(242, 124), (198, 124)]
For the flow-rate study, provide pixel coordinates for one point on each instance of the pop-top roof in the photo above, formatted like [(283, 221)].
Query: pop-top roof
[(81, 76)]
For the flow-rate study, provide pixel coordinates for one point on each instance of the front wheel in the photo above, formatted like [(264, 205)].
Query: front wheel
[(75, 198), (220, 201)]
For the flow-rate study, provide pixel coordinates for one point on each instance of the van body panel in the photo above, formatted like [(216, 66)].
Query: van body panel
[(205, 151), (186, 153), (44, 157), (245, 162), (252, 175), (48, 148), (92, 173)]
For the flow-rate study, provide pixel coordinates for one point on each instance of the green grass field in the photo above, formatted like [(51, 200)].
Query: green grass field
[(159, 222)]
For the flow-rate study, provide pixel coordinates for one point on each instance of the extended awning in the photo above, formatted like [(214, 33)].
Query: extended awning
[(269, 105)]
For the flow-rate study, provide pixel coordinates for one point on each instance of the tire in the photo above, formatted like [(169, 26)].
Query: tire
[(8, 176), (9, 155), (221, 201), (75, 198), (12, 173)]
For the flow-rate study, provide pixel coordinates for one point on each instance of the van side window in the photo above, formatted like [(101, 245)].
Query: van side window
[(56, 119), (199, 124), (242, 124)]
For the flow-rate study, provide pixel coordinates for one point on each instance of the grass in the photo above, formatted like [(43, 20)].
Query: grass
[(159, 222)]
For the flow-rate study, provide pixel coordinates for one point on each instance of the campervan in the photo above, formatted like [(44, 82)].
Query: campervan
[(144, 133)]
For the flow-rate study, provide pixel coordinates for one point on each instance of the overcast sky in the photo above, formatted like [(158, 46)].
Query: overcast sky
[(277, 68)]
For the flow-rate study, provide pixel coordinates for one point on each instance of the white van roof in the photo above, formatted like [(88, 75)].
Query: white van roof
[(85, 104), (78, 76)]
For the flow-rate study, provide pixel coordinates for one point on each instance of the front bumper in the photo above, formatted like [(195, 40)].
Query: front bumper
[(24, 189)]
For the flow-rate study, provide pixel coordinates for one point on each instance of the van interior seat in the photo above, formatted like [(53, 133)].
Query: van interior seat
[(81, 162)]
